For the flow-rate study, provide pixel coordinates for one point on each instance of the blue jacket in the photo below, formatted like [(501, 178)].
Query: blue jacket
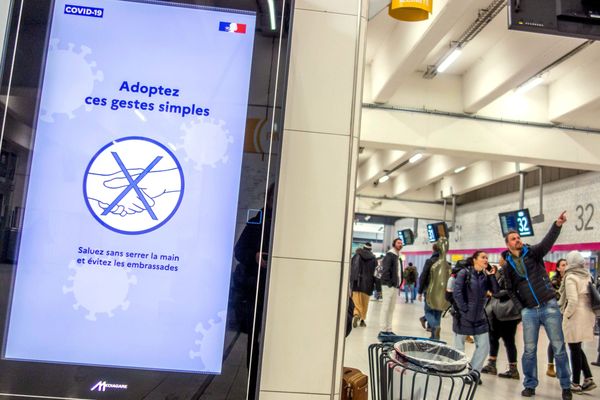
[(470, 300)]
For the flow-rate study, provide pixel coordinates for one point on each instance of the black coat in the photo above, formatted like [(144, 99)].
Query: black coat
[(362, 278), (534, 287), (246, 275), (470, 300), (390, 265), (426, 273)]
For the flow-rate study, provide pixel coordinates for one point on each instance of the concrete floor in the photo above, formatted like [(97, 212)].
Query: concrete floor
[(406, 322)]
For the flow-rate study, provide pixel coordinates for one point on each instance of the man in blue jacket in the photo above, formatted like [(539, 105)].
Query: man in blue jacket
[(529, 283)]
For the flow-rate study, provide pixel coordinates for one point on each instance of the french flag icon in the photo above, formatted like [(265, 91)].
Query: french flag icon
[(232, 27)]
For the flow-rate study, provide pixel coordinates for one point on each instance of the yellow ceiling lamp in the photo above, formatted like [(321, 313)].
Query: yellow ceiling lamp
[(415, 10)]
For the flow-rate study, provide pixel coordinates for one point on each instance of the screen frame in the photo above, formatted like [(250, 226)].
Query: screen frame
[(515, 212)]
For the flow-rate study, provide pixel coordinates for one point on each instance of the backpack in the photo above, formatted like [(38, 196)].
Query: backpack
[(355, 267), (438, 279)]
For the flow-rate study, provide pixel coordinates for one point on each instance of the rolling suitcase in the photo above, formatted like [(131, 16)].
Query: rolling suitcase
[(354, 385)]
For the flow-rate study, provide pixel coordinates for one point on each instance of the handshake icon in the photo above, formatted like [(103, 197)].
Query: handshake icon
[(127, 194)]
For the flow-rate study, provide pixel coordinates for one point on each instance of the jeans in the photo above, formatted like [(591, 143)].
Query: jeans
[(409, 288), (548, 316), (390, 296), (434, 317), (482, 348)]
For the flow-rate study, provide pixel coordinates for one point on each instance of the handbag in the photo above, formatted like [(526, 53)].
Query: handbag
[(595, 298)]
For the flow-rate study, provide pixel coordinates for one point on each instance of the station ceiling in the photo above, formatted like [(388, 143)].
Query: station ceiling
[(471, 115)]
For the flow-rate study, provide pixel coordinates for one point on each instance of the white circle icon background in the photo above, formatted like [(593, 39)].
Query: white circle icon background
[(133, 185)]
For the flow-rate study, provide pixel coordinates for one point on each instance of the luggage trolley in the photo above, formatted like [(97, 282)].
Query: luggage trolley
[(409, 368)]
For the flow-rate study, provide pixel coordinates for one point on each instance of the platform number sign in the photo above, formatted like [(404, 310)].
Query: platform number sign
[(523, 223), (584, 217), (518, 220)]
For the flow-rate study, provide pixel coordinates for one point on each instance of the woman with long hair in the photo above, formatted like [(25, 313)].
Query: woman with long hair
[(469, 293), (504, 317), (578, 318)]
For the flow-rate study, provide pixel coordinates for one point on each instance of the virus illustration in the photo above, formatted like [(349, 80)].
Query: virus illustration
[(211, 334), (68, 80), (206, 142), (99, 289)]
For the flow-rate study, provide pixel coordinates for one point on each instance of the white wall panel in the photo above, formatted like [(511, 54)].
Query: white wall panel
[(321, 78), (312, 196), (480, 226), (332, 6), (302, 317)]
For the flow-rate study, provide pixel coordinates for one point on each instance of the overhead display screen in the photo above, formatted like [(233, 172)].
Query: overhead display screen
[(129, 224), (407, 236), (519, 221), (437, 230)]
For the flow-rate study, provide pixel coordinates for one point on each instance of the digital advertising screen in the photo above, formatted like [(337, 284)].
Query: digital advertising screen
[(132, 195), (518, 220)]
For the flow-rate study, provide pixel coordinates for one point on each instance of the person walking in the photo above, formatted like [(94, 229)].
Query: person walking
[(410, 280), (556, 282), (529, 284), (579, 318), (504, 317), (390, 282), (361, 279), (432, 316), (470, 295)]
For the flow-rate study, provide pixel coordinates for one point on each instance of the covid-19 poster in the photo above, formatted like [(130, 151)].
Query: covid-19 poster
[(129, 223)]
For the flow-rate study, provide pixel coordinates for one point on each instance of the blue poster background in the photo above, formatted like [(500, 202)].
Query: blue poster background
[(68, 310)]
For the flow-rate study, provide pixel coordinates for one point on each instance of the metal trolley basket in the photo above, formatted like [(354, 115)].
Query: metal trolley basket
[(399, 373)]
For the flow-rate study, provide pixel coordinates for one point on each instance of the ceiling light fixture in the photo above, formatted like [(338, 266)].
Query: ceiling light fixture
[(384, 179), (530, 84), (272, 14), (484, 17), (459, 169), (453, 56), (415, 158)]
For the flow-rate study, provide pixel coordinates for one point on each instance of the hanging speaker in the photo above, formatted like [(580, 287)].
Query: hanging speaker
[(415, 10)]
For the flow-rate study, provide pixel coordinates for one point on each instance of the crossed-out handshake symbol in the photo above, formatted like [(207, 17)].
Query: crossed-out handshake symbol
[(141, 194)]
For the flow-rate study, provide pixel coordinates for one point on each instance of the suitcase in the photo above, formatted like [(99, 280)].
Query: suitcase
[(354, 385)]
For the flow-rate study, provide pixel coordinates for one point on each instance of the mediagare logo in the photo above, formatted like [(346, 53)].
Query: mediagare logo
[(101, 386)]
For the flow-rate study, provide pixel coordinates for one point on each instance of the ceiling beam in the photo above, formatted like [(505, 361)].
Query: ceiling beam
[(400, 208), (478, 175), (408, 45), (510, 63), (427, 172), (375, 167), (479, 139), (575, 92)]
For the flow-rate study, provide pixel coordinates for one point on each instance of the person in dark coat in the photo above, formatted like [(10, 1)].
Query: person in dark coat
[(249, 283), (432, 317), (470, 296), (530, 285), (561, 265), (390, 282), (504, 317), (361, 279)]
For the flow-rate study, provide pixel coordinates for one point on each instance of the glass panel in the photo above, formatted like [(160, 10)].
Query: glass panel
[(137, 166)]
